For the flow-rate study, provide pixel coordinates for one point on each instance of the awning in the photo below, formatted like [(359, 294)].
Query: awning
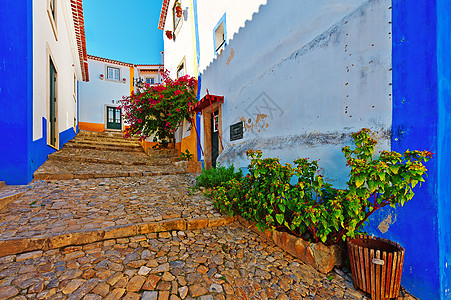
[(205, 102)]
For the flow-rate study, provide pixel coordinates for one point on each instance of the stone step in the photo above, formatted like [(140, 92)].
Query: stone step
[(162, 153), (11, 246), (106, 143), (115, 134), (6, 199), (90, 175), (140, 161), (106, 139), (103, 147)]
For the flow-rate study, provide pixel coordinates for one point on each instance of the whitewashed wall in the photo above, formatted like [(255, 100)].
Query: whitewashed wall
[(210, 12), (302, 75), (63, 50), (96, 93), (183, 46)]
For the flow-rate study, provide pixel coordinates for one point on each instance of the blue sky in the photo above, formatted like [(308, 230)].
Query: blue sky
[(124, 30)]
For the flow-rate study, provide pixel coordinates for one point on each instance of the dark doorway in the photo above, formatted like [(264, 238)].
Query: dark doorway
[(52, 100), (214, 138), (114, 118)]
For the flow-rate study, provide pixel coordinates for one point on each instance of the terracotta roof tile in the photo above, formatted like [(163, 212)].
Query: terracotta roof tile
[(163, 14), (77, 14)]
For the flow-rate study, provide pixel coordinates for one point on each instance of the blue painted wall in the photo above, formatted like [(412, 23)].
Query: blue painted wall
[(16, 90), (417, 124), (20, 156), (444, 142)]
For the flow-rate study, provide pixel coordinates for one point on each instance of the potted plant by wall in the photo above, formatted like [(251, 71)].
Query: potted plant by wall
[(178, 10), (376, 264), (169, 34), (185, 161)]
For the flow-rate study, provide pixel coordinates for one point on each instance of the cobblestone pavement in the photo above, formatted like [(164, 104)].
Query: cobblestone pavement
[(227, 262), (215, 262), (63, 206)]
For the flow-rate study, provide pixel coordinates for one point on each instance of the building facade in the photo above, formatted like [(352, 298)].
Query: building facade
[(110, 81), (294, 79), (44, 58), (99, 98)]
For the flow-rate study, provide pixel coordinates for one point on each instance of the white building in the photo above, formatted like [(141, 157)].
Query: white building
[(44, 57), (99, 98), (111, 80), (193, 38)]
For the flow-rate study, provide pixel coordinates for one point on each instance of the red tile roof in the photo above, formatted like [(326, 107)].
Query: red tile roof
[(164, 12), (111, 61), (77, 14)]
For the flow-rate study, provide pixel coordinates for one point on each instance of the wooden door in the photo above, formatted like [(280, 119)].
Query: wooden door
[(114, 118)]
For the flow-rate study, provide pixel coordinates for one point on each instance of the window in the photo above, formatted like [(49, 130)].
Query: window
[(215, 121), (75, 88), (51, 12), (219, 34), (181, 70), (113, 73), (150, 80), (176, 14), (52, 8)]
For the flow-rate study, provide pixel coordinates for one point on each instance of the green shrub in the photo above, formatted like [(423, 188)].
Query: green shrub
[(217, 176), (311, 208)]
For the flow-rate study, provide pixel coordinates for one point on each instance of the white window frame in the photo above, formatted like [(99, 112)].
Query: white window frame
[(113, 79), (176, 25), (53, 17)]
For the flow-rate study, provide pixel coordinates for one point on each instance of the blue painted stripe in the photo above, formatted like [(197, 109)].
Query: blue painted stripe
[(199, 79), (414, 126), (16, 92), (444, 142)]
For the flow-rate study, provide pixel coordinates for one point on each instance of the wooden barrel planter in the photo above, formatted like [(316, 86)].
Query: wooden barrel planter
[(376, 266)]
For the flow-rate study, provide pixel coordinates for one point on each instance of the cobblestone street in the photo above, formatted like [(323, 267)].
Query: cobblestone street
[(141, 236)]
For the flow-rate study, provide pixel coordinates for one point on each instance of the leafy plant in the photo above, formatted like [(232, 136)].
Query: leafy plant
[(377, 182), (217, 176), (311, 208), (186, 155), (160, 109)]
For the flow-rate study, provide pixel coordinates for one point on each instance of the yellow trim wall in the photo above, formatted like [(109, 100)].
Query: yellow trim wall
[(132, 76), (91, 126)]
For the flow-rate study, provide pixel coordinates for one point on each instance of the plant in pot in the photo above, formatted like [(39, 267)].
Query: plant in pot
[(376, 264), (178, 10), (169, 34)]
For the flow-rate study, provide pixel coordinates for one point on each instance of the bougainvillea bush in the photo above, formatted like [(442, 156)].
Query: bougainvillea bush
[(311, 208), (160, 109)]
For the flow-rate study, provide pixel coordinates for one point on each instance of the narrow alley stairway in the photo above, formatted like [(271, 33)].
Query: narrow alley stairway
[(105, 155), (102, 220)]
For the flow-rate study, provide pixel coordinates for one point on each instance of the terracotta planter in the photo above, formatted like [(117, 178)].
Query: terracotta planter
[(376, 266), (178, 11)]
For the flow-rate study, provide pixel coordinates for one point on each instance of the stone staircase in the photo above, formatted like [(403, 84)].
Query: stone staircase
[(106, 155), (9, 194)]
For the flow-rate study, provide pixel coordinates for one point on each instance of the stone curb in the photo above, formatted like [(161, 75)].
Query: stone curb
[(70, 176), (7, 199), (322, 258), (44, 243)]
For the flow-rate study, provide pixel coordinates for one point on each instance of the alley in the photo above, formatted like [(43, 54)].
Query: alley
[(139, 236)]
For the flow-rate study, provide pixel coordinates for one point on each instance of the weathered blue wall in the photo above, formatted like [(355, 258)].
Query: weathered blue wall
[(444, 142), (415, 123), (16, 88)]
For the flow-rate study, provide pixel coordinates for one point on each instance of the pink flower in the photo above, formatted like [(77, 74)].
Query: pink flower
[(178, 109), (177, 92)]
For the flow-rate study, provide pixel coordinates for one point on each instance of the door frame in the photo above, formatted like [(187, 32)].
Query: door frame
[(206, 118), (105, 113), (51, 60)]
